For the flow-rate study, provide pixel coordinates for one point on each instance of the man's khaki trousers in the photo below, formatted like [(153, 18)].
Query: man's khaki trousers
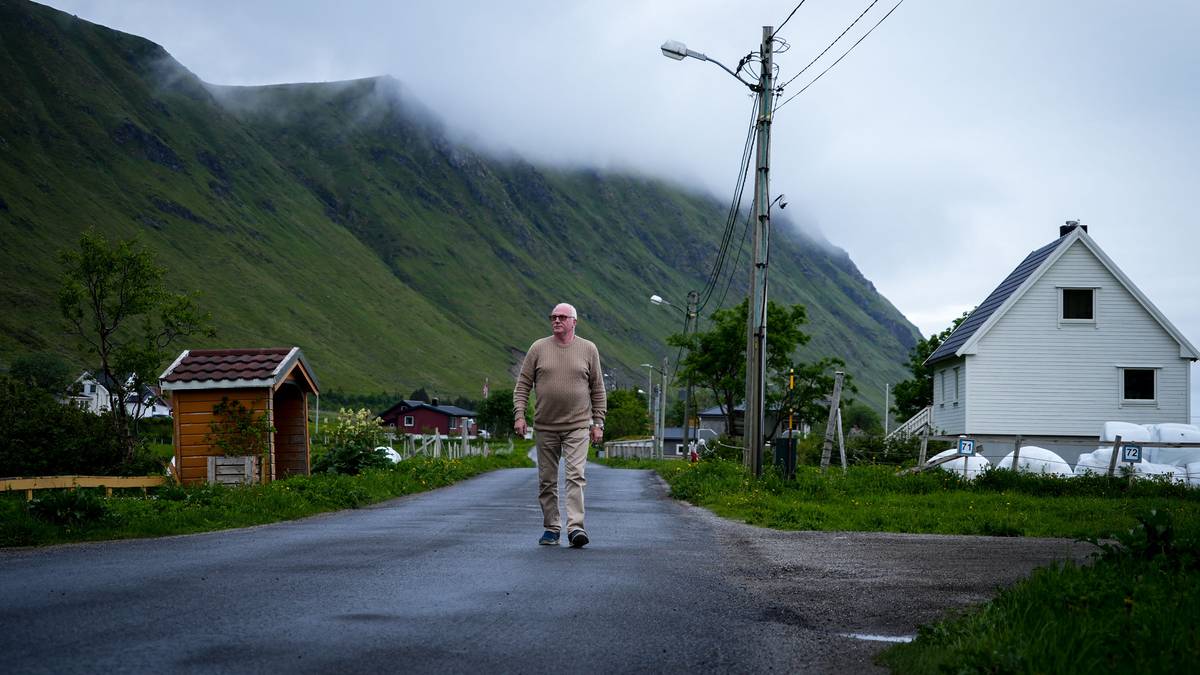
[(572, 446)]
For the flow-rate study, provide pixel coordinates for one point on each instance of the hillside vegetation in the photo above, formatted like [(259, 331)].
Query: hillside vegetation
[(340, 218)]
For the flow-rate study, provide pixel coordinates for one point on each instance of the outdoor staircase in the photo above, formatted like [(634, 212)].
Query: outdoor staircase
[(915, 424)]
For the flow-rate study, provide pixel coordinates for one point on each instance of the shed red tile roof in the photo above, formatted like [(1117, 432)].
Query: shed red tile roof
[(227, 364)]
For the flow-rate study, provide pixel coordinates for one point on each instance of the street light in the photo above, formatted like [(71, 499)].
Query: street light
[(689, 322), (756, 325)]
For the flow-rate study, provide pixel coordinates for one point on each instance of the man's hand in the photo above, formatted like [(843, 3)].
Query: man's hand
[(597, 435), (519, 427)]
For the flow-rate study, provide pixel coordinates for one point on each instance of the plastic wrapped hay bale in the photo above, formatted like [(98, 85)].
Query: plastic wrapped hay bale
[(1193, 474), (1095, 461), (976, 464), (1171, 432), (1037, 460), (1134, 433)]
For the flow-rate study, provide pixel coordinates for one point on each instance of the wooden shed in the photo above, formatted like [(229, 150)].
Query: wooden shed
[(274, 381)]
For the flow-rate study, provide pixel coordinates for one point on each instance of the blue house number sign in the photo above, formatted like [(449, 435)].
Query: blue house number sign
[(1129, 453), (966, 446)]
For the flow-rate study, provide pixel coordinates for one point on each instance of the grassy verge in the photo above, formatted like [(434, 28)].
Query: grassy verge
[(85, 515), (1136, 608), (874, 499)]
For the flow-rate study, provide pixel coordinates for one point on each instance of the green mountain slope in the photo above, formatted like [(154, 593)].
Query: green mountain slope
[(339, 217)]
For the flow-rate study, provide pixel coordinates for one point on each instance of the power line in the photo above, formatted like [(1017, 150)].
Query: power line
[(789, 18), (829, 46), (839, 60)]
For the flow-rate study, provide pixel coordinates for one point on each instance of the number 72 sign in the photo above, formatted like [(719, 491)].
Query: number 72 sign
[(1131, 453)]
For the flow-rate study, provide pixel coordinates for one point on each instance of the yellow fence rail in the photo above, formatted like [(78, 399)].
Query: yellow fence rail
[(71, 482)]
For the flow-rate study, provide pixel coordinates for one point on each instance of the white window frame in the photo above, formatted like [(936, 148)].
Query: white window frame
[(1123, 402), (942, 377), (956, 384), (409, 421), (453, 422), (1062, 306)]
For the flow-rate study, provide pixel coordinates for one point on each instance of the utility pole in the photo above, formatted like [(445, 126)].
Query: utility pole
[(756, 330), (662, 411), (693, 298)]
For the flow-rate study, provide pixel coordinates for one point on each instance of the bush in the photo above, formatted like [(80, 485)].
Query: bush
[(42, 437), (69, 508), (353, 437)]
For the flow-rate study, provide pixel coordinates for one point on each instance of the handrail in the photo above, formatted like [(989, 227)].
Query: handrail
[(923, 418)]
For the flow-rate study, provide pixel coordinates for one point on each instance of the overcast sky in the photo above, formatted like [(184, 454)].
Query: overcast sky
[(952, 141)]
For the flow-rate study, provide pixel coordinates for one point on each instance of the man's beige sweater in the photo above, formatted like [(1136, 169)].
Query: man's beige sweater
[(567, 381)]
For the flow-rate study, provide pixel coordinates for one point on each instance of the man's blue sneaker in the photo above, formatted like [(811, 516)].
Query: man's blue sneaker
[(549, 538), (577, 538)]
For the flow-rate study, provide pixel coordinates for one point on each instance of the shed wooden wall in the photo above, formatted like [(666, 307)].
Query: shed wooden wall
[(193, 419), (291, 432)]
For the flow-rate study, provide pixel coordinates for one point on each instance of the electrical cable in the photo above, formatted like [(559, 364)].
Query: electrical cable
[(789, 18), (814, 80), (830, 46)]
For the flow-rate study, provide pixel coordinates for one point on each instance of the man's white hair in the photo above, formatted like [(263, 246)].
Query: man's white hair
[(574, 314)]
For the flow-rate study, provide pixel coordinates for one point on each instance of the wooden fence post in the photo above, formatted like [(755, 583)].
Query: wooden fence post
[(1016, 452), (1112, 461), (924, 446), (835, 403)]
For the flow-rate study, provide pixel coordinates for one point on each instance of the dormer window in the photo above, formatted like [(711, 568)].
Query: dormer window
[(1077, 305)]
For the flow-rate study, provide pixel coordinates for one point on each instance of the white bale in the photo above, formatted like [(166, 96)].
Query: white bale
[(1037, 460), (1134, 433), (1095, 461), (1172, 432), (391, 454), (1170, 471), (976, 464), (1193, 474)]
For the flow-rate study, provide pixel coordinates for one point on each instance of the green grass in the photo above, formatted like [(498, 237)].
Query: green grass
[(874, 499), (1134, 609), (181, 510)]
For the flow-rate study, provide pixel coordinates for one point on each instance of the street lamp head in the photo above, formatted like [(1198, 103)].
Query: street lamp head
[(674, 49), (647, 365), (656, 299)]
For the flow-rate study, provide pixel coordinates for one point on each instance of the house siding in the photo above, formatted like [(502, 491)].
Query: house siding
[(1039, 376), (950, 410)]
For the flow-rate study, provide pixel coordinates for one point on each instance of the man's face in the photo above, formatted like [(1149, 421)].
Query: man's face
[(561, 320)]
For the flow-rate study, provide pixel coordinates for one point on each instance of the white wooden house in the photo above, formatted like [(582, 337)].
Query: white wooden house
[(1064, 344)]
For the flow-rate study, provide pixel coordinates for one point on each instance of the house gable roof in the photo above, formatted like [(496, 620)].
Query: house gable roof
[(237, 368), (448, 410), (1010, 291), (993, 302)]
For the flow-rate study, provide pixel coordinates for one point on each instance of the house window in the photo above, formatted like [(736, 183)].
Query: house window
[(1079, 304), (1139, 385), (956, 385), (409, 421), (453, 422), (943, 378)]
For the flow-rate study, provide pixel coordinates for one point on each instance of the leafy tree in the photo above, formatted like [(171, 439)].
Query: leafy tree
[(626, 415), (913, 394), (419, 395), (45, 372), (716, 358), (808, 399), (496, 413), (117, 304), (859, 415)]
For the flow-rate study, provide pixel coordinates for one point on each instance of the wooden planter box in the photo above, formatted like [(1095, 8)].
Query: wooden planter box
[(241, 470)]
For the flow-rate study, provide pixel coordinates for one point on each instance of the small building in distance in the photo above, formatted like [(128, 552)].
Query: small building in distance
[(419, 417), (276, 382)]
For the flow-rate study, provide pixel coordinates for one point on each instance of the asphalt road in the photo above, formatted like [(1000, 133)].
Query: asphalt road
[(452, 580)]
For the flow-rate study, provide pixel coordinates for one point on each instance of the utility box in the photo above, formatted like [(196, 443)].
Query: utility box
[(785, 457)]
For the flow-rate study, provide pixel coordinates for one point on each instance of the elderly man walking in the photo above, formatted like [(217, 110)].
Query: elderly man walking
[(563, 370)]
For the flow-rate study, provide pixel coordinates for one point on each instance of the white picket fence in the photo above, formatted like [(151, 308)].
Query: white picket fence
[(435, 445), (642, 447)]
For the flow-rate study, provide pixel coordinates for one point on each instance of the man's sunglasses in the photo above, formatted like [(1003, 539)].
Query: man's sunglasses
[(560, 317)]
